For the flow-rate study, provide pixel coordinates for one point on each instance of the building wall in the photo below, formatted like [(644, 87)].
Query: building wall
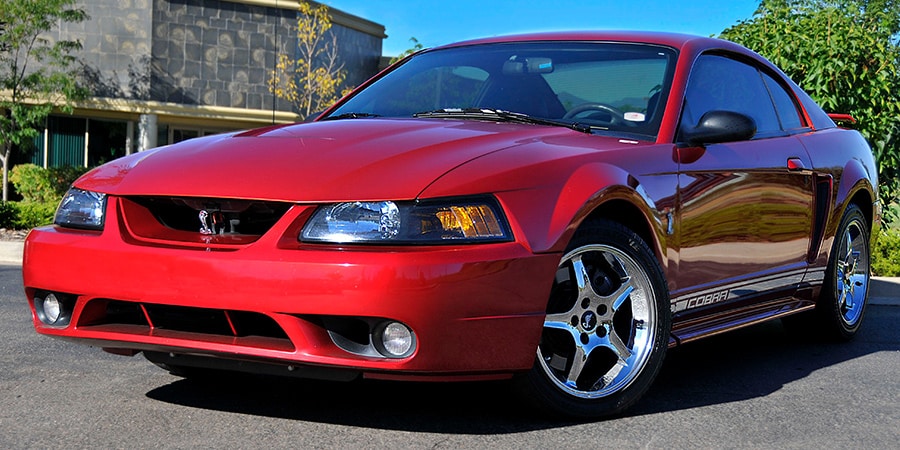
[(165, 70), (359, 52), (199, 52), (116, 43), (217, 53)]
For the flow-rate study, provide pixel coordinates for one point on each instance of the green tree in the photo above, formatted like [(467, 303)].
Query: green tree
[(415, 48), (36, 72), (845, 55), (311, 81)]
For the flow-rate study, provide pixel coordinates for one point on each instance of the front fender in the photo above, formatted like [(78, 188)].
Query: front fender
[(590, 188), (546, 215), (548, 192)]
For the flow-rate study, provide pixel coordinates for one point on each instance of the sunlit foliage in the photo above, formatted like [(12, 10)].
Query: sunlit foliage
[(312, 79)]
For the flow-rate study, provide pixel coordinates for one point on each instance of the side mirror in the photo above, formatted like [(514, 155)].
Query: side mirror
[(717, 126)]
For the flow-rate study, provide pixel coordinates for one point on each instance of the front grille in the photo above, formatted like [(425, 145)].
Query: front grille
[(202, 324), (201, 221)]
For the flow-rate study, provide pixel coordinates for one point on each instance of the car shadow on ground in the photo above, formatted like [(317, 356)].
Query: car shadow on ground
[(736, 366)]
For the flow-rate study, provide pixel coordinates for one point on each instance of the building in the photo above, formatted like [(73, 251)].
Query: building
[(161, 71)]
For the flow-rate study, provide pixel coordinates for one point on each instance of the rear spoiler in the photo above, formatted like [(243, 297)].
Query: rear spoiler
[(842, 119)]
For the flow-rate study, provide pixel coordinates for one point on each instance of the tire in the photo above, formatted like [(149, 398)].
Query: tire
[(842, 303), (604, 342)]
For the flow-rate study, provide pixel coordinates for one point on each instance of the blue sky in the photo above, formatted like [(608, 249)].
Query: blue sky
[(437, 22)]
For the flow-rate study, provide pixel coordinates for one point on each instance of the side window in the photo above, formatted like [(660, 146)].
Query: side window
[(720, 83), (784, 105)]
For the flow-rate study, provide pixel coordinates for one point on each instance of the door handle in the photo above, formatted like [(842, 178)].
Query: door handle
[(795, 164)]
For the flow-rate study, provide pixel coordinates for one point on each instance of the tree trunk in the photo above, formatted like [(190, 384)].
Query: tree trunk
[(5, 158)]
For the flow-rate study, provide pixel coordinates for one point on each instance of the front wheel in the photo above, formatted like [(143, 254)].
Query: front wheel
[(607, 326)]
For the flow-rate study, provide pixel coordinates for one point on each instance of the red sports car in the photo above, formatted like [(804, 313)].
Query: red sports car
[(556, 209)]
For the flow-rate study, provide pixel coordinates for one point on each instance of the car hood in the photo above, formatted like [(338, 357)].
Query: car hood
[(354, 159)]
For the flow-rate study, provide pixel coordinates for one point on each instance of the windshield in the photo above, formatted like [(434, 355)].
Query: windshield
[(610, 87)]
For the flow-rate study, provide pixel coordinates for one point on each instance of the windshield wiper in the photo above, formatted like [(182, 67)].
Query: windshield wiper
[(351, 115), (500, 115)]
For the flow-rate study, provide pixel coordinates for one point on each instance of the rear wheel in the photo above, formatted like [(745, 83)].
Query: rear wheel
[(842, 302), (607, 326)]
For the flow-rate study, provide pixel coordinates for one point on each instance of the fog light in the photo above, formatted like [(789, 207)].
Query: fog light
[(396, 339), (52, 308)]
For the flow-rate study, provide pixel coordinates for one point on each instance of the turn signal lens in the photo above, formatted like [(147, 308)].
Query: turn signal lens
[(471, 221)]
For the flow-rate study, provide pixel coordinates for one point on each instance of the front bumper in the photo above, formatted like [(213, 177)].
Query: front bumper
[(474, 309)]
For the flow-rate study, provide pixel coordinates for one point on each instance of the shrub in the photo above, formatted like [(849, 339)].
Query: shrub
[(39, 185), (886, 253), (9, 214), (35, 214), (61, 178), (32, 183)]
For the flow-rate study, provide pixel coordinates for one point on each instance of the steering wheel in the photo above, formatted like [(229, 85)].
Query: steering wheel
[(617, 116)]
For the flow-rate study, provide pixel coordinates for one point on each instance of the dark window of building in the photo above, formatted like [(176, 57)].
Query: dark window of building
[(106, 141), (180, 134), (66, 141)]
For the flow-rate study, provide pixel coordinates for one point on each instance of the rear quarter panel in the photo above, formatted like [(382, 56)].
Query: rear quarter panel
[(846, 157)]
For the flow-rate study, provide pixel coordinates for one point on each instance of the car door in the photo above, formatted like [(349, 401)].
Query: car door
[(745, 208)]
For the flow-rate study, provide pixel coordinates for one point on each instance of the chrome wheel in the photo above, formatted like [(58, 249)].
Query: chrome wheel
[(607, 325), (842, 302), (852, 277), (598, 332)]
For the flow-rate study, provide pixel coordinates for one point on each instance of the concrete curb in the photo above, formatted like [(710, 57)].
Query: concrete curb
[(882, 290), (11, 252)]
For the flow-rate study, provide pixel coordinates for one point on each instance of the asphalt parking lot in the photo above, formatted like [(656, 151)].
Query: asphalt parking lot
[(753, 388)]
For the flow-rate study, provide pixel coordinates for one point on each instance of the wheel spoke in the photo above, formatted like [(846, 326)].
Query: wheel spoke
[(582, 278), (848, 241), (615, 343), (842, 301), (621, 294), (610, 376), (578, 361), (561, 321)]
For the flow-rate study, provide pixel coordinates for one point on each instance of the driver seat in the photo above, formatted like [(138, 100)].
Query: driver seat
[(526, 94)]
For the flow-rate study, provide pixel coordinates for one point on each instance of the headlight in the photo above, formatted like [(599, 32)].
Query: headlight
[(387, 222), (82, 209)]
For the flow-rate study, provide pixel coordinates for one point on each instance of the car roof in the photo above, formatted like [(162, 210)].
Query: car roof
[(689, 47), (674, 40)]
